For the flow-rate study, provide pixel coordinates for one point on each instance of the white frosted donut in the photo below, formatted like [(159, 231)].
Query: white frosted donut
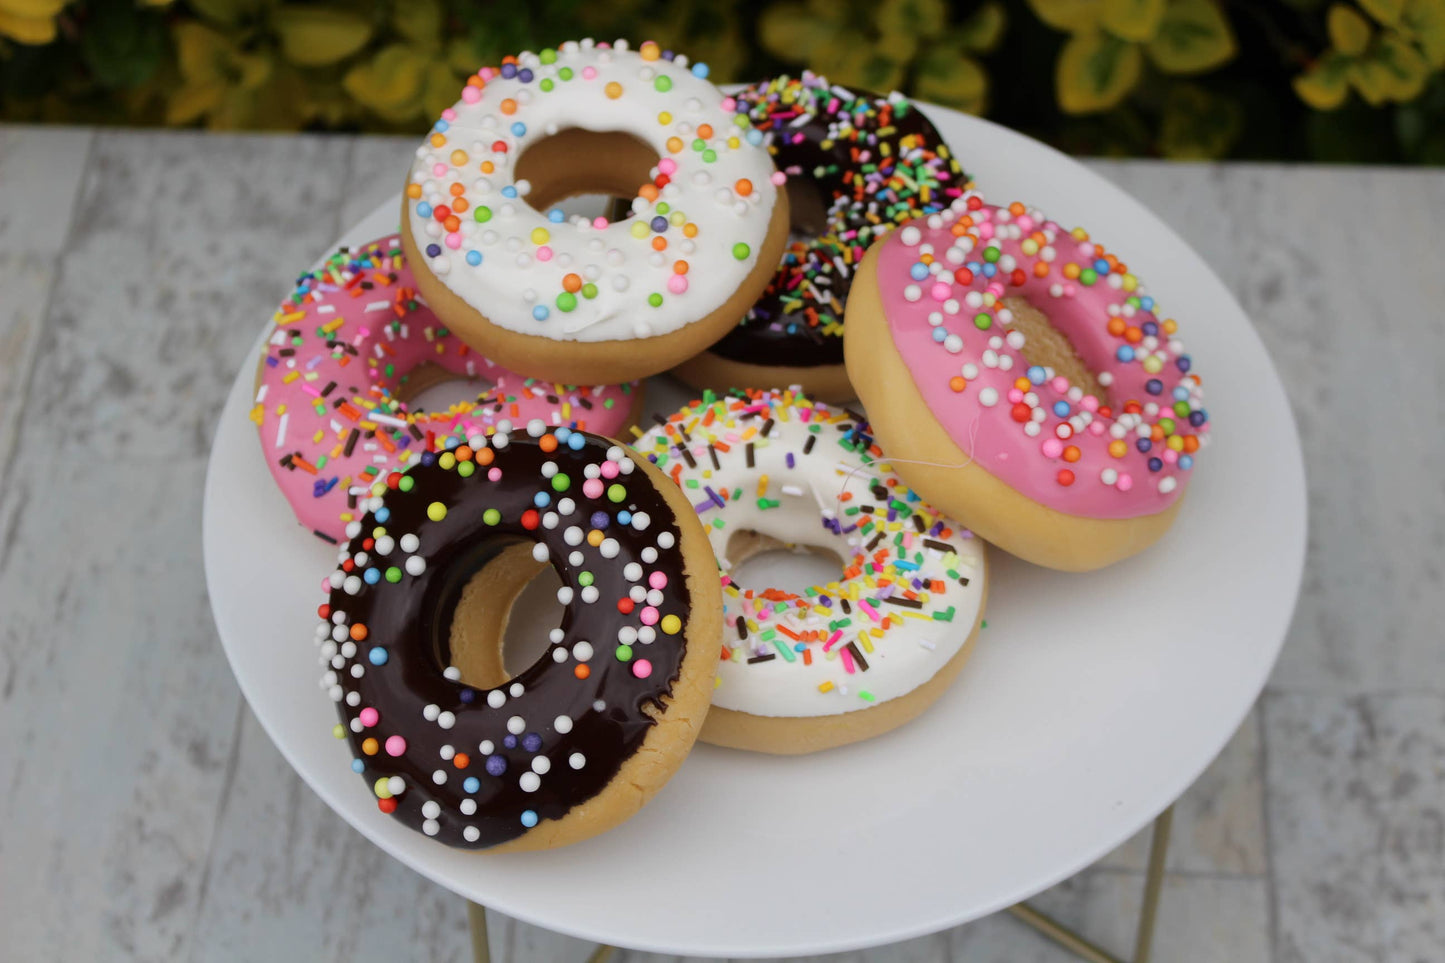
[(699, 221), (871, 644)]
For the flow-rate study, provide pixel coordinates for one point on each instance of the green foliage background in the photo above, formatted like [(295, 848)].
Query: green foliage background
[(1281, 79)]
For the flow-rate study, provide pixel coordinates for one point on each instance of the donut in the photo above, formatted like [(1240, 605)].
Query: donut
[(861, 654), (857, 164), (1057, 412), (353, 342), (410, 638), (592, 300)]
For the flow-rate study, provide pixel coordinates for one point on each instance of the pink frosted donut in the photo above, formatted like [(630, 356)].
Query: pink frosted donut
[(334, 380), (1072, 474)]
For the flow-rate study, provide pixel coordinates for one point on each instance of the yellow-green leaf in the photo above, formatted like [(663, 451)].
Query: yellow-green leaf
[(1193, 37), (1349, 30), (1326, 84), (190, 102), (419, 21), (853, 63), (792, 31), (1385, 11), (1095, 71), (1070, 15), (227, 13), (983, 30), (1197, 124), (1393, 70), (440, 89), (1425, 20), (201, 52), (27, 30), (1131, 19), (919, 17), (952, 78), (316, 36), (390, 84)]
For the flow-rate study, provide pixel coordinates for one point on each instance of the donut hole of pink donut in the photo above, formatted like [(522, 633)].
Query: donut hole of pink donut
[(1048, 346)]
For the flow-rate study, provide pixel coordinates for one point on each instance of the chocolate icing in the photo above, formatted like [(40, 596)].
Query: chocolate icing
[(412, 619), (769, 335)]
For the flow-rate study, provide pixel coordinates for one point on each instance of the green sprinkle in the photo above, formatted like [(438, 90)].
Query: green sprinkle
[(584, 579), (991, 254), (709, 155), (548, 56), (624, 653), (766, 503), (865, 695), (565, 73), (982, 321), (655, 299), (589, 290), (491, 516), (1088, 276), (785, 650), (407, 483), (466, 468), (393, 574), (616, 492), (663, 83), (566, 301), (560, 482), (546, 84), (1181, 408), (483, 214), (741, 251)]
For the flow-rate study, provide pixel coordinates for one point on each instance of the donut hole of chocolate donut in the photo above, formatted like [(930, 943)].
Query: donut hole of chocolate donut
[(1047, 346), (589, 172), (758, 561), (473, 627), (807, 209)]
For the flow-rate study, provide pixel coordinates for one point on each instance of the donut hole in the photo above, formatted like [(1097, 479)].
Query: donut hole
[(577, 163), (445, 392), (807, 209), (474, 614), (759, 561), (1047, 346)]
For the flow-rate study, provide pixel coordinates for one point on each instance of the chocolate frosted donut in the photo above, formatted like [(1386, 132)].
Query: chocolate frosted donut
[(411, 638), (858, 164)]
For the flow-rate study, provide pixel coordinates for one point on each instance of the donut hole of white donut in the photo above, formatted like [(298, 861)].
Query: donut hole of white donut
[(758, 561), (586, 173)]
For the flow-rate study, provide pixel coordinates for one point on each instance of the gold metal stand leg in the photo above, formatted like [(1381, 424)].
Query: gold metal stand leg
[(482, 953), (1148, 911)]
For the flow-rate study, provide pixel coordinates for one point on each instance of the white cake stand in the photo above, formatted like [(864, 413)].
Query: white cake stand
[(1092, 703)]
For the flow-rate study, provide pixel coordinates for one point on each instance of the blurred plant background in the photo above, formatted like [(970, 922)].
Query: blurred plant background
[(1325, 80)]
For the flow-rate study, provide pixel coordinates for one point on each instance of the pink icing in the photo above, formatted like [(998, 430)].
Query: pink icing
[(346, 338), (942, 281)]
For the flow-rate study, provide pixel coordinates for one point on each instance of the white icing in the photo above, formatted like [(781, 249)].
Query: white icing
[(909, 653), (512, 280)]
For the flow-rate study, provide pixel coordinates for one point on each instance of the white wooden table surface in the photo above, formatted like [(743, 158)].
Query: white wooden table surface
[(144, 814)]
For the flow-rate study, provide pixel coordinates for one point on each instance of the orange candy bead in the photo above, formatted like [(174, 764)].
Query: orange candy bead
[(572, 283), (744, 187)]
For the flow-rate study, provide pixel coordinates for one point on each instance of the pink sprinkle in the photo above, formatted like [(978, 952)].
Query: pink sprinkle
[(368, 717), (609, 469), (454, 240), (779, 178), (941, 291), (729, 103), (847, 658), (600, 222), (1015, 395), (1025, 223), (1125, 483), (872, 612), (1096, 428), (985, 230), (395, 745), (1070, 290), (1059, 384), (649, 615), (592, 488), (439, 169), (1086, 249), (589, 73), (1089, 403), (544, 253), (449, 114), (471, 95), (487, 73), (1170, 456), (494, 475), (677, 284), (667, 166), (657, 580), (833, 639), (642, 668), (1052, 447)]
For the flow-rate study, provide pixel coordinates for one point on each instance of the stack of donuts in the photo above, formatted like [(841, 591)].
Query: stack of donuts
[(887, 368)]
